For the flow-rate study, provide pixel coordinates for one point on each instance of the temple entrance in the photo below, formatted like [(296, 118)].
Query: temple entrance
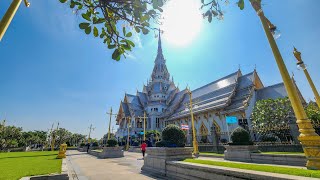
[(204, 133)]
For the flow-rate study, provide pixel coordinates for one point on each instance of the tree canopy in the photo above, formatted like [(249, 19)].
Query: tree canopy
[(270, 114), (115, 21)]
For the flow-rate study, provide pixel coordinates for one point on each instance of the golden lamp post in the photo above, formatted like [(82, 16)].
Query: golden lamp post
[(308, 138), (194, 141), (301, 64), (8, 16)]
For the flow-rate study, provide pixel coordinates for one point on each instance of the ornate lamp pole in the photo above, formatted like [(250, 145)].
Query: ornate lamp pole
[(308, 138), (301, 64), (8, 16), (194, 142)]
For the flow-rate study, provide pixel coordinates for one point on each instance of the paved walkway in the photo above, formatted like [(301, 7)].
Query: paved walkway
[(82, 166)]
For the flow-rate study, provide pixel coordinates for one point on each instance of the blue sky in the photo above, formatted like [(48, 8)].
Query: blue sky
[(51, 71)]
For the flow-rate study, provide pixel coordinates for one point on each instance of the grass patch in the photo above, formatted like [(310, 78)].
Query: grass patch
[(15, 165), (263, 168), (284, 153), (211, 153)]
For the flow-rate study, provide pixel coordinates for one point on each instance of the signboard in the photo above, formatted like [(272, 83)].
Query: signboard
[(184, 127), (231, 119)]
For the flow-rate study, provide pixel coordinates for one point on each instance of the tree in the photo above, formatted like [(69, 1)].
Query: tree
[(272, 116), (10, 136), (62, 136), (313, 113), (115, 20), (213, 8)]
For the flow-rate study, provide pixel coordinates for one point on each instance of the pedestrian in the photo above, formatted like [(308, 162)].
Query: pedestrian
[(143, 148), (88, 145)]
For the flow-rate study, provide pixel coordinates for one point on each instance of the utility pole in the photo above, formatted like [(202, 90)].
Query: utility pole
[(110, 122), (144, 124), (90, 128), (48, 136), (53, 138)]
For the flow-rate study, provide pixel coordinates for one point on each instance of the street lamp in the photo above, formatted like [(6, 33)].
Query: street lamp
[(309, 139), (8, 16), (301, 64), (195, 143)]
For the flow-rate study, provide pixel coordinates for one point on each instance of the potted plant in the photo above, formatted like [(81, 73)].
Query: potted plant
[(170, 148), (240, 147)]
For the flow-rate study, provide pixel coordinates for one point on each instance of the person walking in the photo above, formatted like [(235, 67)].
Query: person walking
[(88, 147), (143, 148)]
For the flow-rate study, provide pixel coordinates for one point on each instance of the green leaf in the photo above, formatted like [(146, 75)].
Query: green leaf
[(126, 47), (72, 4), (63, 1), (137, 29), (84, 25), (95, 32), (116, 55), (99, 21), (130, 42), (129, 34), (88, 30), (145, 31), (86, 17), (111, 46), (124, 30), (210, 18), (241, 4), (155, 4)]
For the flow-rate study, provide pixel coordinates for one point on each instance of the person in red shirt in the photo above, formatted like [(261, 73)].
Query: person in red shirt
[(143, 148)]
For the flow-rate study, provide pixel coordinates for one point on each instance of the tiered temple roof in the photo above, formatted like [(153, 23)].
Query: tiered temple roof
[(229, 94)]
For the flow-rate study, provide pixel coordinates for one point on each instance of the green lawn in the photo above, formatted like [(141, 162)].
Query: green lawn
[(15, 165), (211, 153), (284, 153), (264, 168)]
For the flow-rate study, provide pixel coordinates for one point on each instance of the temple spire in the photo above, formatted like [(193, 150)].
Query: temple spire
[(159, 43)]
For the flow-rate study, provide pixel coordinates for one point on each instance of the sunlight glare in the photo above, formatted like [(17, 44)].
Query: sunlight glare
[(182, 21)]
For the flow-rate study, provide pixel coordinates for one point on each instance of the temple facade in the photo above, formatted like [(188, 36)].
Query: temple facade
[(164, 103)]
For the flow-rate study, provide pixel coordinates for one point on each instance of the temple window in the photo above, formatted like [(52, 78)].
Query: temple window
[(157, 122)]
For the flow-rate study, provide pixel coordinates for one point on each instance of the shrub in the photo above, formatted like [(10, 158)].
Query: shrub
[(240, 137), (82, 144), (95, 144), (112, 142), (173, 136), (223, 141), (162, 144), (268, 138)]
